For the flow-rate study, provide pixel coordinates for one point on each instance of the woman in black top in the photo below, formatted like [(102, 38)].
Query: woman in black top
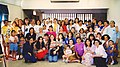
[(28, 51), (31, 34)]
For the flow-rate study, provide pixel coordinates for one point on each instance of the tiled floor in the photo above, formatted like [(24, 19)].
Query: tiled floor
[(20, 63)]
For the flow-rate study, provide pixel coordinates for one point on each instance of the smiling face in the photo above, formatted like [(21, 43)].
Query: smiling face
[(88, 43)]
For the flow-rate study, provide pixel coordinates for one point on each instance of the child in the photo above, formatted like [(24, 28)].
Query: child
[(13, 44), (20, 47), (6, 46), (110, 52), (67, 53)]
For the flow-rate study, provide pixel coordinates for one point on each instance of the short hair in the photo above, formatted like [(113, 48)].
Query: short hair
[(104, 36), (98, 41), (78, 38)]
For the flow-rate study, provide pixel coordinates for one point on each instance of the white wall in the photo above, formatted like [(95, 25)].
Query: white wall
[(46, 4), (114, 11), (15, 11)]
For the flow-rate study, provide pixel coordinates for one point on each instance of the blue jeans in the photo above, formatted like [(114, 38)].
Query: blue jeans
[(53, 58)]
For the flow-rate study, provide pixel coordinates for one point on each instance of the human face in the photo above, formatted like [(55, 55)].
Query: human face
[(26, 21), (40, 30), (31, 40), (52, 37), (38, 22), (71, 42), (60, 36), (91, 37), (40, 40), (112, 24), (31, 31), (78, 41), (96, 43), (88, 43), (105, 38), (50, 29), (90, 29)]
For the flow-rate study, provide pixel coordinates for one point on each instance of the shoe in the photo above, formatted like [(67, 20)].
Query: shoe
[(112, 63), (14, 59)]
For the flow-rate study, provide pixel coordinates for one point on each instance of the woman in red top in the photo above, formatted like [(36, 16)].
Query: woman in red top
[(64, 26)]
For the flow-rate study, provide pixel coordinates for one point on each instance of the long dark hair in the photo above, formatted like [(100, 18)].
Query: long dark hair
[(86, 43), (38, 44), (62, 37)]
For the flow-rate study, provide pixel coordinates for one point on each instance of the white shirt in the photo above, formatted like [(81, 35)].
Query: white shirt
[(101, 51), (83, 26), (37, 27), (12, 39)]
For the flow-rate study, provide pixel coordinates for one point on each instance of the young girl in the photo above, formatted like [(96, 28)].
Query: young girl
[(13, 44), (67, 53), (110, 51), (88, 51)]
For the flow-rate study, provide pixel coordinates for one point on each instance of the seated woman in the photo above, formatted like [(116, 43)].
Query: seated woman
[(100, 55), (28, 54), (70, 36), (60, 42), (53, 51), (88, 51), (79, 48), (41, 51)]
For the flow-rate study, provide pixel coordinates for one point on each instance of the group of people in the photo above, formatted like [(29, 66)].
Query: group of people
[(89, 42)]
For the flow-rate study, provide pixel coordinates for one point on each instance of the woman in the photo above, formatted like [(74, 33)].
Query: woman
[(70, 36), (79, 48), (37, 26), (88, 51), (64, 26), (25, 27), (51, 31), (70, 24), (53, 51), (31, 34), (60, 42), (41, 51), (82, 34), (15, 27), (28, 54), (100, 55)]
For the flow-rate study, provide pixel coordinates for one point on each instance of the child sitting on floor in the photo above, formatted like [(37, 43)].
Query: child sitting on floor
[(67, 53)]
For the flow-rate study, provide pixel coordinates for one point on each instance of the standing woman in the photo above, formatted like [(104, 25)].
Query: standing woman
[(28, 51), (100, 55), (15, 27), (64, 26), (31, 34), (37, 26), (53, 51), (25, 27)]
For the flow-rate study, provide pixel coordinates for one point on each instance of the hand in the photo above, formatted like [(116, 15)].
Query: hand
[(43, 48), (29, 53), (54, 52)]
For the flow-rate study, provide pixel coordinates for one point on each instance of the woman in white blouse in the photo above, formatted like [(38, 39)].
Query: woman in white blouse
[(100, 55)]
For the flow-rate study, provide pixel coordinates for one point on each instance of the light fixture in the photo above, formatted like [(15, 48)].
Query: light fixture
[(34, 12)]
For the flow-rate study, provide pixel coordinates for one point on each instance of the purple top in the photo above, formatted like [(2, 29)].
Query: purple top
[(79, 48)]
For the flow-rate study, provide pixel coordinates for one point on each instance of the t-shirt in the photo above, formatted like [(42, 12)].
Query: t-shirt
[(68, 52), (12, 39), (101, 51)]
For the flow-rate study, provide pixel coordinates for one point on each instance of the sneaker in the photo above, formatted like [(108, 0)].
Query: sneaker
[(112, 63)]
